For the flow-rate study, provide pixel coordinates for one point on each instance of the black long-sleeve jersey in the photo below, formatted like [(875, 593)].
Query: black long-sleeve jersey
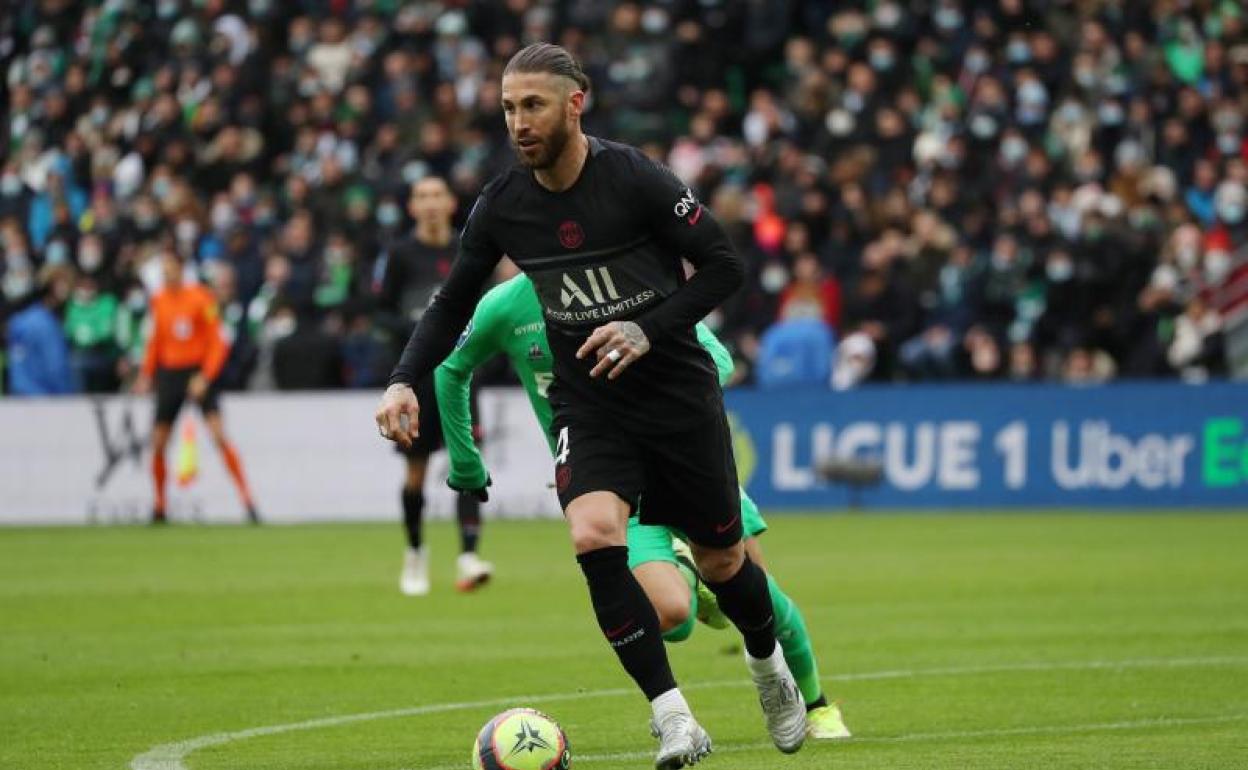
[(414, 271), (608, 248)]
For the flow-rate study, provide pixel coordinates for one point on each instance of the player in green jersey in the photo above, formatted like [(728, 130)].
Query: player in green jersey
[(508, 320)]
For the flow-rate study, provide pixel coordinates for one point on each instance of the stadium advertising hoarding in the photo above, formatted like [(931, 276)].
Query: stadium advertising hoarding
[(317, 457), (957, 446), (309, 457)]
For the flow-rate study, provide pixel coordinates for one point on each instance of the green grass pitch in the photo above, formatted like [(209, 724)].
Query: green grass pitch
[(1016, 641)]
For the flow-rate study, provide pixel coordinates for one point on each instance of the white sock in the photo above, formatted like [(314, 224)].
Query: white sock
[(767, 665), (672, 701)]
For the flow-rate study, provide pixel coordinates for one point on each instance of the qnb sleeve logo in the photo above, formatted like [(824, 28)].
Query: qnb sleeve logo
[(688, 207)]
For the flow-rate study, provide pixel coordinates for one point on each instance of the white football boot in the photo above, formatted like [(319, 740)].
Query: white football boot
[(783, 709), (414, 579), (473, 572), (682, 741)]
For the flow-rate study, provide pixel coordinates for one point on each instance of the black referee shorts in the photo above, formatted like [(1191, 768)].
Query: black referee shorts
[(171, 394), (686, 479), (430, 439)]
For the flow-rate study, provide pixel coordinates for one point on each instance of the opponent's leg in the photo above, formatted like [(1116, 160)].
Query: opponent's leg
[(653, 559), (414, 579), (704, 605), (671, 594), (468, 516), (472, 571)]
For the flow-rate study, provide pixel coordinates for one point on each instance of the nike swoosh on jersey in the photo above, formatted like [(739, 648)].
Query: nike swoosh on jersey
[(721, 530)]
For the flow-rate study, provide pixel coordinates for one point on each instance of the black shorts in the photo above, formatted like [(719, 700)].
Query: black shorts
[(686, 479), (430, 439), (171, 394)]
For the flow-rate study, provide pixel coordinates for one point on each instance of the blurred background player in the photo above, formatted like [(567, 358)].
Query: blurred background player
[(508, 320), (185, 353), (414, 269)]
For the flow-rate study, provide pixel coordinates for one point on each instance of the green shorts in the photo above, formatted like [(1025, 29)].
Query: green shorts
[(654, 543)]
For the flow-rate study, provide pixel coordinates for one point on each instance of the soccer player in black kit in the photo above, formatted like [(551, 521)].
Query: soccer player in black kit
[(638, 413), (415, 268)]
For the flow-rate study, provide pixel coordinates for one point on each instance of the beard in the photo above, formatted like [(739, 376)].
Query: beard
[(548, 150)]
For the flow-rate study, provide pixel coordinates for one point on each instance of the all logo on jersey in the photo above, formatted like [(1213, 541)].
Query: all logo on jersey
[(571, 235), (598, 288), (688, 207)]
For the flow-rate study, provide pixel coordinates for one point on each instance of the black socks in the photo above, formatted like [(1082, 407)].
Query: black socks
[(413, 514), (746, 601), (468, 512), (627, 618)]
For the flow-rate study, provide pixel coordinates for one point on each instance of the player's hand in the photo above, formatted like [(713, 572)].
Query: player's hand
[(617, 345), (197, 388), (482, 494), (142, 385), (398, 417)]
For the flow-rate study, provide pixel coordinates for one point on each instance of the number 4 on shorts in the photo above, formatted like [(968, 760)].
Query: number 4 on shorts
[(561, 447)]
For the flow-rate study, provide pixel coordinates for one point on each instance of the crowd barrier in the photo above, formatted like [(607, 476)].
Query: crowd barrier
[(317, 457)]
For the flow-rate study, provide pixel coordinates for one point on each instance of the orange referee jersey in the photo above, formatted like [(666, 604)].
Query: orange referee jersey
[(186, 332)]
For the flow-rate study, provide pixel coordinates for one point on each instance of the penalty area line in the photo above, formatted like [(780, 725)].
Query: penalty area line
[(171, 756)]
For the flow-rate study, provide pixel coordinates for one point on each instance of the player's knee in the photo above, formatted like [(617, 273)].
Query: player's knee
[(590, 535), (672, 613), (719, 564), (679, 633)]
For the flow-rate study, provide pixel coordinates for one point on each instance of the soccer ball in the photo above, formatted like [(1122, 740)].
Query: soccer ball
[(521, 739)]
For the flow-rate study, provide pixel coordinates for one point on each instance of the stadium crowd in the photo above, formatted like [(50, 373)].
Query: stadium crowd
[(933, 189)]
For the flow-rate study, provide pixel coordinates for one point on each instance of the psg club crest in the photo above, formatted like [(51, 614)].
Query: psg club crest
[(571, 235)]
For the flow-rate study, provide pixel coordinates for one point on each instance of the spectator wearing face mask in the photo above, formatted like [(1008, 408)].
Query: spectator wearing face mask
[(811, 293), (1196, 350), (1230, 233), (15, 196), (91, 318), (37, 352), (57, 206), (264, 127)]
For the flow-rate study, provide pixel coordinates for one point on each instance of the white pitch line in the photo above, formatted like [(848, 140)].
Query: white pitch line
[(1136, 724), (170, 756)]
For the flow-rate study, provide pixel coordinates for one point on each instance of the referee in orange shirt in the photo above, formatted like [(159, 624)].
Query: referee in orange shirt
[(184, 355)]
